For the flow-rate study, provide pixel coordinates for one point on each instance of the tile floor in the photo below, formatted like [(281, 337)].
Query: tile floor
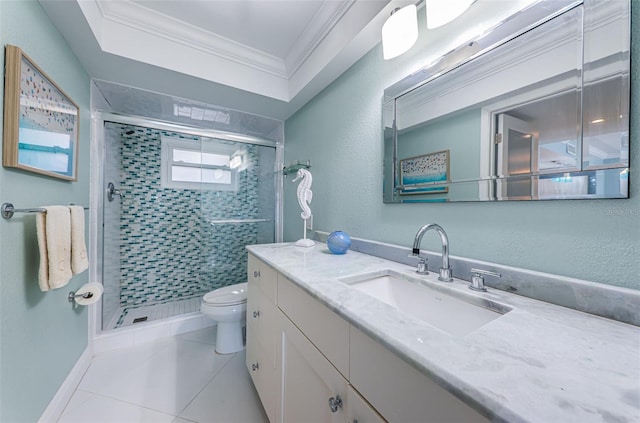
[(174, 380)]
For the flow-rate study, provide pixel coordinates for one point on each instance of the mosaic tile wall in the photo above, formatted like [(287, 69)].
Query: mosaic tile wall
[(168, 248)]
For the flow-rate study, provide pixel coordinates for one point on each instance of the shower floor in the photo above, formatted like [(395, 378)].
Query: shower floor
[(127, 316)]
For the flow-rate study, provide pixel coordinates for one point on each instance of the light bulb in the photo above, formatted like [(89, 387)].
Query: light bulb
[(399, 32), (441, 12)]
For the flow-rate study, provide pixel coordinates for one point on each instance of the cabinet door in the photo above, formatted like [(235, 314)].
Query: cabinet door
[(264, 378), (313, 390), (262, 323), (262, 334), (359, 410)]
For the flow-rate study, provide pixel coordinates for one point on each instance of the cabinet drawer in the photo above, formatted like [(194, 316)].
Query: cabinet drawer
[(398, 391), (262, 324), (328, 331), (262, 275)]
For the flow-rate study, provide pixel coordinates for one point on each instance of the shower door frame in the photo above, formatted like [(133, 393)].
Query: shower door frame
[(97, 188)]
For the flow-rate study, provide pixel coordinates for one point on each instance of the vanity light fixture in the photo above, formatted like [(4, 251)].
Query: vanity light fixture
[(441, 12), (399, 32)]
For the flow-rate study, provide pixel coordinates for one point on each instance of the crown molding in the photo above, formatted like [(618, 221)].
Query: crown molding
[(140, 18), (113, 46), (131, 30), (320, 26)]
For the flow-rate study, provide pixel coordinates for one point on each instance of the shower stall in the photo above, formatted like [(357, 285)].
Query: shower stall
[(180, 193)]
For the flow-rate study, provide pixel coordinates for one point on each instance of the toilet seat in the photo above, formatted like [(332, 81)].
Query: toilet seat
[(227, 296)]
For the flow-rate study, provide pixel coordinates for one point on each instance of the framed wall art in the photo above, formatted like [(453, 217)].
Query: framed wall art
[(40, 121), (424, 174)]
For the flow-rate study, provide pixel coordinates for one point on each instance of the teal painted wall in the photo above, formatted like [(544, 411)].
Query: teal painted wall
[(460, 136), (340, 131), (41, 335)]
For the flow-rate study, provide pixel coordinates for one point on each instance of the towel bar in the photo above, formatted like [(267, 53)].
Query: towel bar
[(8, 210)]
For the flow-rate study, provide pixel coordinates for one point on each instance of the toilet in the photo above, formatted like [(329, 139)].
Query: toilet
[(227, 306)]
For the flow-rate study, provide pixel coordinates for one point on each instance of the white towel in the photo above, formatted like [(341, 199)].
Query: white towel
[(54, 242), (79, 260)]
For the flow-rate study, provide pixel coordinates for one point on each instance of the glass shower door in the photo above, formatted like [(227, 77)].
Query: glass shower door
[(238, 208), (189, 206)]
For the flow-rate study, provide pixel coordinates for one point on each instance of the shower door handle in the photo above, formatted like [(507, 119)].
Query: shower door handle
[(112, 192)]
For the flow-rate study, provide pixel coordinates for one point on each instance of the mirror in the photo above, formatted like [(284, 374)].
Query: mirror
[(535, 109)]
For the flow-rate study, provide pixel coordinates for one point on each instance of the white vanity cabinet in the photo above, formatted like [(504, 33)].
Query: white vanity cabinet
[(325, 370), (313, 390), (262, 325), (398, 391), (315, 362)]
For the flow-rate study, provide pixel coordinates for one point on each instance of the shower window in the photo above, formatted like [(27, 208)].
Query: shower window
[(189, 165)]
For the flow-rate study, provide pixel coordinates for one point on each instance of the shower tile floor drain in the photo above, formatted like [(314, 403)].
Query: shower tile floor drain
[(148, 313)]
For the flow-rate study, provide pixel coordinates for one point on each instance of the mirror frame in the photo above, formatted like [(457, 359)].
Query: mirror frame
[(514, 26)]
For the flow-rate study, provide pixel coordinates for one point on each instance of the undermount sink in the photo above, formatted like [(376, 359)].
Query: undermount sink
[(454, 312)]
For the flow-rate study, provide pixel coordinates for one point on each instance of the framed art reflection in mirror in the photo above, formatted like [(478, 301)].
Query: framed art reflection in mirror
[(425, 174)]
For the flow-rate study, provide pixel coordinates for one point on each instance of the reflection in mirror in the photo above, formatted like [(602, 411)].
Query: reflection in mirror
[(542, 114)]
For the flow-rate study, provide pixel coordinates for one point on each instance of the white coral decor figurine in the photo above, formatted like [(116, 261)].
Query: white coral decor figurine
[(304, 198)]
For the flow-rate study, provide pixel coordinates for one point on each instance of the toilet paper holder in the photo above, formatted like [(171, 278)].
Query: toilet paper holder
[(72, 295)]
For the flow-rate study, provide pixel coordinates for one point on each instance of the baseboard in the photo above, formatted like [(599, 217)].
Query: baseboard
[(145, 332), (59, 401)]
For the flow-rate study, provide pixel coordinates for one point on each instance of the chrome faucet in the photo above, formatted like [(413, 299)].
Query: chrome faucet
[(445, 270)]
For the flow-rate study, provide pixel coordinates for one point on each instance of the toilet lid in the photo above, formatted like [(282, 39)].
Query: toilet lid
[(228, 295)]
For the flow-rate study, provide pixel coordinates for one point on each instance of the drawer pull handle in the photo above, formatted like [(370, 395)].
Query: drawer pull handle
[(335, 403), (256, 274), (255, 367), (256, 314)]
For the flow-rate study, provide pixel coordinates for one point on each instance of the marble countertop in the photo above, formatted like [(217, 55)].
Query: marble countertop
[(537, 363)]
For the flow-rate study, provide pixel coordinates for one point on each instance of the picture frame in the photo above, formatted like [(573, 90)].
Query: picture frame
[(425, 174), (41, 123)]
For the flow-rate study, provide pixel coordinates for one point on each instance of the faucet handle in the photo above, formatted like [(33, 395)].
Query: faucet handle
[(477, 279), (422, 263)]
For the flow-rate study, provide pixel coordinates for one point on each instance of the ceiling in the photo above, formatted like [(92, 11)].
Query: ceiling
[(267, 57)]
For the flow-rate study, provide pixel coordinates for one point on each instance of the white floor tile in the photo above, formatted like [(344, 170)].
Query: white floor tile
[(229, 398), (178, 379), (113, 364), (165, 381), (206, 335), (87, 407)]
